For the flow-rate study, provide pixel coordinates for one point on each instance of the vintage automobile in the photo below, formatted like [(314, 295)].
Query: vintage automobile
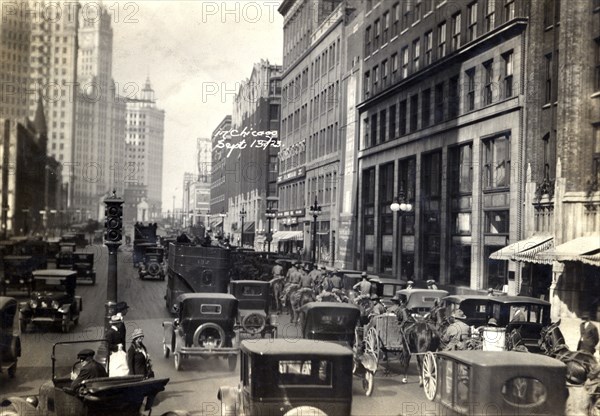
[(474, 307), (527, 315), (278, 377), (83, 264), (420, 301), (10, 336), (386, 289), (115, 396), (152, 265), (64, 258), (18, 273), (53, 300), (37, 249), (485, 382), (204, 327), (78, 239), (254, 299)]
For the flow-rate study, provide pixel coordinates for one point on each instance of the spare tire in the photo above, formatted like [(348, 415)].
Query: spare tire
[(254, 323), (305, 411), (153, 269), (209, 335)]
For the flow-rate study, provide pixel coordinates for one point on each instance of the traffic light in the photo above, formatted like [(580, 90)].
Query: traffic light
[(113, 222)]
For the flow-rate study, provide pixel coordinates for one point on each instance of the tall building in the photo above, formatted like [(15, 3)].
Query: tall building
[(54, 47), (99, 148), (15, 38), (204, 157), (312, 120), (256, 109), (220, 170), (144, 147)]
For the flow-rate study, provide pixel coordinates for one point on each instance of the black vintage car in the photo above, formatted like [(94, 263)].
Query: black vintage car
[(78, 239), (254, 298), (53, 300), (83, 264), (10, 336), (279, 377), (114, 396), (152, 266), (204, 327), (64, 257), (18, 273)]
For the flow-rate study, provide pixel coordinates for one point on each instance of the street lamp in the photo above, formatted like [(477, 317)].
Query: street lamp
[(242, 216), (402, 206), (270, 213), (315, 211)]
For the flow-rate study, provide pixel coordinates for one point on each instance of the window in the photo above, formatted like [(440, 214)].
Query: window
[(456, 27), (414, 112), (396, 15), (470, 74), (425, 108), (508, 74), (461, 169), (596, 158), (453, 97), (442, 40), (497, 222), (386, 27), (384, 73), (428, 47), (548, 13), (368, 197), (490, 13), (404, 53), (438, 115), (509, 10), (597, 69), (460, 256), (548, 79), (402, 120), (394, 64), (382, 126), (374, 129), (416, 46), (377, 34), (488, 71), (497, 162), (472, 21), (386, 197), (366, 131), (392, 122), (367, 84), (375, 78), (416, 12), (432, 179), (405, 15), (367, 41)]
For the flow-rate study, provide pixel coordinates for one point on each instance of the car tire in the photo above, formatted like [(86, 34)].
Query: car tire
[(212, 327), (305, 410), (254, 323), (177, 361)]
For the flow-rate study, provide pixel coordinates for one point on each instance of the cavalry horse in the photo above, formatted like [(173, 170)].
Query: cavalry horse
[(298, 299), (420, 337), (579, 363)]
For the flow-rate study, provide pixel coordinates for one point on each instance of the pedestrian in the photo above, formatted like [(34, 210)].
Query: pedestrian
[(588, 335), (409, 284), (431, 284), (364, 286), (115, 334), (138, 359), (89, 368), (490, 292), (457, 332)]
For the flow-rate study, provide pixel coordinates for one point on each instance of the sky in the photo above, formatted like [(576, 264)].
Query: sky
[(196, 53)]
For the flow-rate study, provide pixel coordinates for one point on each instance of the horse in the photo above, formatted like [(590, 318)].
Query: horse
[(420, 337), (579, 363), (276, 289), (437, 317), (298, 299)]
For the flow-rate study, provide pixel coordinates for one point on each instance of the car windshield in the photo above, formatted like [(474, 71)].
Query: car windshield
[(332, 320)]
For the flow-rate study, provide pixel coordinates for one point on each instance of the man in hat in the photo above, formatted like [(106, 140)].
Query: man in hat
[(89, 369), (431, 284), (588, 335), (409, 284), (307, 279), (492, 322), (277, 270), (115, 334), (364, 286), (336, 280), (457, 332), (292, 281), (378, 308)]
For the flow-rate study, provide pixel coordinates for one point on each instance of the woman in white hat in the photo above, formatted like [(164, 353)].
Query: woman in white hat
[(138, 359)]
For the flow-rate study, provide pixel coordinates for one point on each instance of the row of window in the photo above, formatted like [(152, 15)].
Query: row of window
[(326, 101)]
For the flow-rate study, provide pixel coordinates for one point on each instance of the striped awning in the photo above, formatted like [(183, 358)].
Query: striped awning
[(288, 236), (525, 250), (582, 249)]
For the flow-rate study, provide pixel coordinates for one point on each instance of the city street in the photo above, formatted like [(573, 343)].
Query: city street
[(195, 387)]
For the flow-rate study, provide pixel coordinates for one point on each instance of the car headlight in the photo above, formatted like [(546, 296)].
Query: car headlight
[(55, 304), (33, 303), (21, 281)]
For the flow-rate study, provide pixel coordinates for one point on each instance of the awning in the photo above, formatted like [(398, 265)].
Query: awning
[(288, 236), (249, 227), (525, 250), (583, 249), (215, 222)]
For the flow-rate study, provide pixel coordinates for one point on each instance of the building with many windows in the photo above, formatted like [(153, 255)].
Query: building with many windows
[(442, 127), (220, 170)]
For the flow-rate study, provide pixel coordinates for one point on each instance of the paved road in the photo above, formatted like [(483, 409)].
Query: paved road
[(195, 387)]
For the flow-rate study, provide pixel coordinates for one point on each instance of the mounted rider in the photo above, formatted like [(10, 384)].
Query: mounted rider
[(457, 332), (364, 286), (292, 281)]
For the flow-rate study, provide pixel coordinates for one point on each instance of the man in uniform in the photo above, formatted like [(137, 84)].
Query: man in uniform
[(409, 284), (589, 335), (292, 281), (90, 368), (277, 270), (336, 280), (307, 279), (457, 332), (378, 308), (431, 284), (364, 286)]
